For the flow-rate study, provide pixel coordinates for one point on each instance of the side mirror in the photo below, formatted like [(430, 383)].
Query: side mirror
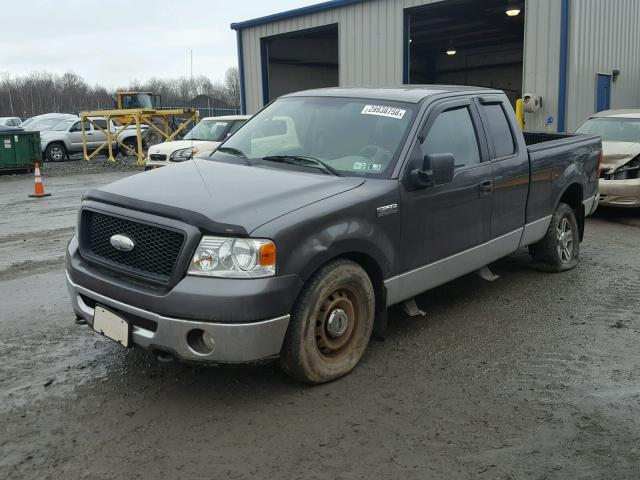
[(437, 169)]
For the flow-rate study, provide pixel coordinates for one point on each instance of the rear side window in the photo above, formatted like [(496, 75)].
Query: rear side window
[(453, 132), (101, 123), (499, 130)]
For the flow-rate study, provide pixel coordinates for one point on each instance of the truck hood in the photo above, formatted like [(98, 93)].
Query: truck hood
[(220, 197), (617, 154), (168, 148)]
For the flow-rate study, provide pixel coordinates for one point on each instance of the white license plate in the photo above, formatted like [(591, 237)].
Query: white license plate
[(111, 325)]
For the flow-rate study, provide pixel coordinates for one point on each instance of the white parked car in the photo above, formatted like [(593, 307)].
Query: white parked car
[(10, 121), (203, 139)]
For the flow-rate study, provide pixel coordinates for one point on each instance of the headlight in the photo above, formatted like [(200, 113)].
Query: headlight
[(183, 154), (234, 258)]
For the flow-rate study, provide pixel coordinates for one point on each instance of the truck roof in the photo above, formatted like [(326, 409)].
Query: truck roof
[(228, 117), (401, 93), (624, 113)]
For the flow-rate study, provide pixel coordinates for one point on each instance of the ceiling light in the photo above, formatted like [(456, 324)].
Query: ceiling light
[(513, 12), (451, 50)]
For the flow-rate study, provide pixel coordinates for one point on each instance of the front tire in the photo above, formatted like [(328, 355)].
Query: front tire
[(331, 324), (132, 143), (55, 152), (558, 251)]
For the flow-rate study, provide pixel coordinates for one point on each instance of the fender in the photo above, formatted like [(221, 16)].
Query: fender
[(341, 225)]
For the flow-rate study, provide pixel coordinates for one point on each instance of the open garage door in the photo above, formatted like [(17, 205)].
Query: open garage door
[(299, 61), (467, 42)]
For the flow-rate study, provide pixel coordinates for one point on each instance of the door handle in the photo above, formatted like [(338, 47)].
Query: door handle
[(486, 187)]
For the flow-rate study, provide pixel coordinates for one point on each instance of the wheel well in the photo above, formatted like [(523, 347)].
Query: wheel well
[(375, 274), (572, 196), (373, 270), (56, 142)]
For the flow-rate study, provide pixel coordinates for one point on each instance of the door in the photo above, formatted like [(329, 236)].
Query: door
[(98, 136), (75, 136), (510, 167), (603, 92), (443, 220)]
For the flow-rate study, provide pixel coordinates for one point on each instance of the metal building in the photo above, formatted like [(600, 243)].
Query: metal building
[(579, 56)]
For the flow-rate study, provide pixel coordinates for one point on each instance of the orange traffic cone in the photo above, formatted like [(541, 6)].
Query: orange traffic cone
[(38, 186)]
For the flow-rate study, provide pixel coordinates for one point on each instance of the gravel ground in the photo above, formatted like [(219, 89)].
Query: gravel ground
[(534, 376), (77, 165)]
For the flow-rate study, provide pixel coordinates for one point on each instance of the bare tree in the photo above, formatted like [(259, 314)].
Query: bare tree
[(232, 85), (45, 92)]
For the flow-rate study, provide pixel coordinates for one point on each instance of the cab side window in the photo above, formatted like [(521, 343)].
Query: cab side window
[(453, 132), (499, 130), (236, 125), (77, 127), (101, 123)]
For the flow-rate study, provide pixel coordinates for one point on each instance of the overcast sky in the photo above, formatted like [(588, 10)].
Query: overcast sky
[(114, 41)]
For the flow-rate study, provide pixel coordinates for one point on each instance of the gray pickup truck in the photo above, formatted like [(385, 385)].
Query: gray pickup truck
[(327, 207), (64, 137)]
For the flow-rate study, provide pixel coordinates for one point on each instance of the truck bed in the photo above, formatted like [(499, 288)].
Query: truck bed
[(550, 155), (535, 138)]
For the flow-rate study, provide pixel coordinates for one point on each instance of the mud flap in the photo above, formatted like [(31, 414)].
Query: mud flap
[(380, 324)]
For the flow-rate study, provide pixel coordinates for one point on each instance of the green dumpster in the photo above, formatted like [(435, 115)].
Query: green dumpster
[(19, 150)]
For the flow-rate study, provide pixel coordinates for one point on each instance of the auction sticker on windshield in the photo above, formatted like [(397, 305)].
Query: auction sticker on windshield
[(383, 111)]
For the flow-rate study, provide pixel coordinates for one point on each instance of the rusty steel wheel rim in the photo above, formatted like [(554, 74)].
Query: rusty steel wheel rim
[(337, 323)]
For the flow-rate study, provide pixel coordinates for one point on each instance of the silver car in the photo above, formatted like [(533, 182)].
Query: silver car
[(620, 133)]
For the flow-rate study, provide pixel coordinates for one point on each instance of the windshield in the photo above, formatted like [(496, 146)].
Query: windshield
[(614, 129), (137, 100), (64, 124), (212, 130), (51, 123), (356, 137)]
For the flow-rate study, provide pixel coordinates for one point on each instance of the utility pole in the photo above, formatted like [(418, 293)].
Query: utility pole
[(191, 65), (7, 81)]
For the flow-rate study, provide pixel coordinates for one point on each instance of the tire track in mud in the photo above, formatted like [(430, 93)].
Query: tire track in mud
[(26, 254)]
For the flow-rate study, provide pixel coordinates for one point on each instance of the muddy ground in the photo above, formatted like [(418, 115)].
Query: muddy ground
[(534, 376)]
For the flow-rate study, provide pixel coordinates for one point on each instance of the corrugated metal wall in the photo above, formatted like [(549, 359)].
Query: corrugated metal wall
[(371, 47), (542, 60), (370, 44), (604, 34)]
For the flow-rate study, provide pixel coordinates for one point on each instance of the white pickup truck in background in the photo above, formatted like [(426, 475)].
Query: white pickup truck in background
[(65, 138)]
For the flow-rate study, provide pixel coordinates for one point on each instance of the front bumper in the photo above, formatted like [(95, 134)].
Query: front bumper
[(234, 342), (620, 193)]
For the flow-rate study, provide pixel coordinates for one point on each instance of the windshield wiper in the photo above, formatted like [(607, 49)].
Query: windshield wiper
[(233, 151), (303, 161)]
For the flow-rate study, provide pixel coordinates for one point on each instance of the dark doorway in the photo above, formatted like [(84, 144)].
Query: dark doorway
[(467, 42), (299, 61)]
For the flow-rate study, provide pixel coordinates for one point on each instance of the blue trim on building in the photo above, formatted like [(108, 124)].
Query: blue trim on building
[(319, 7), (564, 59), (243, 97), (264, 61), (405, 46)]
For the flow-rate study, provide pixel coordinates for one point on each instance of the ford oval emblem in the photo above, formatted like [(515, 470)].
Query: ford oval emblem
[(122, 243)]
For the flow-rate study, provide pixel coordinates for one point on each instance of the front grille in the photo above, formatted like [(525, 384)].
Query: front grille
[(158, 156), (154, 255)]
